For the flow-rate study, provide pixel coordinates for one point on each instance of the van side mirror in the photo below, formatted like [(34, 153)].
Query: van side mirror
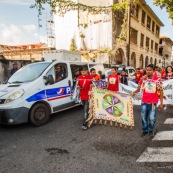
[(49, 80)]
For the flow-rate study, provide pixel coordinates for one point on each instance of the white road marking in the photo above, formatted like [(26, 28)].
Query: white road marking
[(169, 121), (158, 154), (163, 136)]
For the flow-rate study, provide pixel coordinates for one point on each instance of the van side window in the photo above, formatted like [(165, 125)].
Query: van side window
[(59, 72), (131, 71)]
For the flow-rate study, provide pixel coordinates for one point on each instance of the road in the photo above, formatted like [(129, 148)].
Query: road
[(62, 146)]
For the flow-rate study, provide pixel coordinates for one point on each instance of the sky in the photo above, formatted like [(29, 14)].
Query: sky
[(19, 23)]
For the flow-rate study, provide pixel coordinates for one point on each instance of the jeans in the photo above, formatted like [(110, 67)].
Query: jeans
[(148, 114), (85, 104)]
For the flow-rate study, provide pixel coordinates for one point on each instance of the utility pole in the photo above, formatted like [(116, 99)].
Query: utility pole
[(128, 34)]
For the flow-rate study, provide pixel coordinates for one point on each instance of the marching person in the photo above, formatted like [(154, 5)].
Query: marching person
[(169, 73), (151, 92), (138, 75), (124, 78), (168, 76), (95, 76), (113, 80), (84, 85)]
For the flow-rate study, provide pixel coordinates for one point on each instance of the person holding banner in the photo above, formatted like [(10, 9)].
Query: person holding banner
[(113, 80), (84, 85), (169, 73), (152, 90)]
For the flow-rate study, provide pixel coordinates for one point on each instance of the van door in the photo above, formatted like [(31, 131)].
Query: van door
[(59, 94)]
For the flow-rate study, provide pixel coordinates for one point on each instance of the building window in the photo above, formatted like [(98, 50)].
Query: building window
[(156, 47), (143, 17), (152, 42), (153, 26), (142, 40), (133, 36), (157, 30), (161, 51), (148, 22), (147, 43), (135, 11), (160, 42)]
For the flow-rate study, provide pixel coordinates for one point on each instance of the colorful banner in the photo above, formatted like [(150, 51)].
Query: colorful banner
[(110, 106)]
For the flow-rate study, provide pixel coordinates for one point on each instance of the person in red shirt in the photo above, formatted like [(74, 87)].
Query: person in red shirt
[(138, 75), (84, 85), (113, 80), (151, 92), (95, 76), (163, 73)]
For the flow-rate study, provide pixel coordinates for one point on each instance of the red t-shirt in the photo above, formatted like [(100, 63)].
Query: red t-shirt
[(163, 73), (113, 82), (85, 84), (138, 76), (150, 91)]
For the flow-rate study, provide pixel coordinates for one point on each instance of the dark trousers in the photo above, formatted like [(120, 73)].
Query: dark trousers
[(85, 104)]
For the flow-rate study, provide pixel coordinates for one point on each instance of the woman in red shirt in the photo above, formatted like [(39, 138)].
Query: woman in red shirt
[(113, 80)]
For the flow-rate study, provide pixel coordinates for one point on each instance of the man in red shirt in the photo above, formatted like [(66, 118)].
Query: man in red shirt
[(84, 84), (113, 80), (138, 75), (151, 92)]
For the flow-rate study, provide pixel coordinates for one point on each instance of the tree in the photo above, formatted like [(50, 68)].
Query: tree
[(168, 4)]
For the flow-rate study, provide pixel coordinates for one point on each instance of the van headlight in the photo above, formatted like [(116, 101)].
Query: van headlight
[(14, 96)]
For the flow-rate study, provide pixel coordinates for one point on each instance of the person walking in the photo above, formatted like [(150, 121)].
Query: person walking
[(152, 90), (138, 75), (84, 85), (113, 80), (124, 78), (168, 73)]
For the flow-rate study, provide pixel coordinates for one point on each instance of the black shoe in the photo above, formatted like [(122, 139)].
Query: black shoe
[(144, 134), (152, 133), (84, 127)]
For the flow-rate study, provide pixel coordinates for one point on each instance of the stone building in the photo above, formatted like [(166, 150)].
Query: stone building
[(165, 50), (21, 54), (97, 33)]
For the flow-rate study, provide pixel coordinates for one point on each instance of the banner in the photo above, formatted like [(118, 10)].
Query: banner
[(110, 106), (128, 90), (167, 89)]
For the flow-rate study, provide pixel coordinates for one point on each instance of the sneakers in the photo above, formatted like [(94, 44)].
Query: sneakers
[(151, 133), (165, 108), (84, 127), (144, 134)]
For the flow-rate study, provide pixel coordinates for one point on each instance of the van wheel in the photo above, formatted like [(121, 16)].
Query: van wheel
[(39, 115)]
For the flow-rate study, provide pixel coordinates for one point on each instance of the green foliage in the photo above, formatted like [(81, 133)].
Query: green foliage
[(168, 4)]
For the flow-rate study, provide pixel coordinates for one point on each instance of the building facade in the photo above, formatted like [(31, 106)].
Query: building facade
[(21, 54), (98, 33), (165, 50)]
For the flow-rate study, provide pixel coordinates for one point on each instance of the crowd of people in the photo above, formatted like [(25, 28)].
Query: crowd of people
[(149, 82)]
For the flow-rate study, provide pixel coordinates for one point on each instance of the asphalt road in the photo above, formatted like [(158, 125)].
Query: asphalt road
[(62, 146)]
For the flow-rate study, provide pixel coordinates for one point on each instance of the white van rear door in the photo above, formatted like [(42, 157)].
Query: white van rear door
[(59, 94)]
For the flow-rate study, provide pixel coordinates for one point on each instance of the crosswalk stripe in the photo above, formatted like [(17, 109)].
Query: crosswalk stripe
[(163, 136), (169, 121), (158, 154)]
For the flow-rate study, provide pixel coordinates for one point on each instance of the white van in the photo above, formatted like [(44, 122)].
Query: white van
[(33, 93)]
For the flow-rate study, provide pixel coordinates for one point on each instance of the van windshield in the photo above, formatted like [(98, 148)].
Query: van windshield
[(29, 73)]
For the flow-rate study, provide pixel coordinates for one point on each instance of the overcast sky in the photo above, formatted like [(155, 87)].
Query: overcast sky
[(19, 23)]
